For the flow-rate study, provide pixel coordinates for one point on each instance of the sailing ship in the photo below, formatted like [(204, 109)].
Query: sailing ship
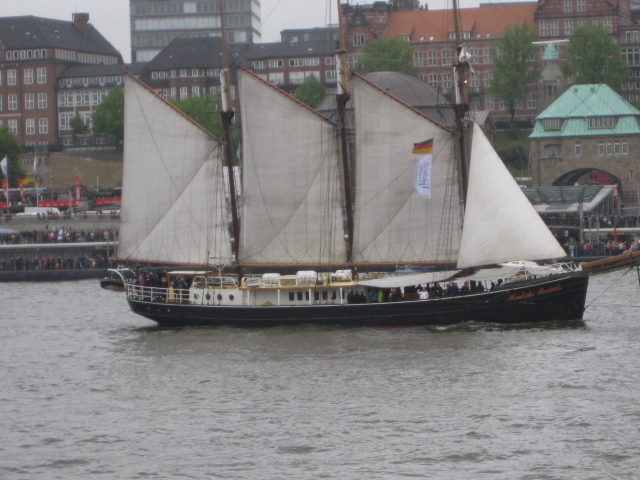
[(291, 238)]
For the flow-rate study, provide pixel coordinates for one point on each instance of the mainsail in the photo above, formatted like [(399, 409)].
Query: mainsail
[(292, 200), (393, 223), (500, 224), (174, 201)]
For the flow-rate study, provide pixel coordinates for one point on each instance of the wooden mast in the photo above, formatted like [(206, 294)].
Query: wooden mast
[(342, 98), (461, 104), (227, 116)]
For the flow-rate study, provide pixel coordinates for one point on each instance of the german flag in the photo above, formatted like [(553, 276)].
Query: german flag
[(423, 147)]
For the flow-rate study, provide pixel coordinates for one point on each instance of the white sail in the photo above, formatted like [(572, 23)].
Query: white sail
[(173, 205), (393, 223), (500, 224), (292, 200)]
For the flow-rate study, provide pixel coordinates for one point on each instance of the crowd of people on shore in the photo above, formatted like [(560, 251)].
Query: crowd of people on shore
[(66, 262), (59, 235), (591, 221), (599, 248)]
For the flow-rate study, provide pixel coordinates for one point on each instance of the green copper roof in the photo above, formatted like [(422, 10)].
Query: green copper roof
[(578, 104), (550, 53)]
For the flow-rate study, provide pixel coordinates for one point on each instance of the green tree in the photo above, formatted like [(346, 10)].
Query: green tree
[(311, 92), (10, 148), (593, 56), (108, 119), (77, 127), (513, 68), (387, 55), (205, 111)]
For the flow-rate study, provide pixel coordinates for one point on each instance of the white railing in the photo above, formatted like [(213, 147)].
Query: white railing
[(157, 294)]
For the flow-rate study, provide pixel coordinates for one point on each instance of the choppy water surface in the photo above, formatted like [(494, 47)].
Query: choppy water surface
[(89, 390)]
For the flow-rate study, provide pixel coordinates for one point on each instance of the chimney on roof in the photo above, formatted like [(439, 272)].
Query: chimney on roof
[(81, 22)]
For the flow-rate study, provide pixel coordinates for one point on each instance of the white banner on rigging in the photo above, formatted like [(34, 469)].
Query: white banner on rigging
[(423, 175)]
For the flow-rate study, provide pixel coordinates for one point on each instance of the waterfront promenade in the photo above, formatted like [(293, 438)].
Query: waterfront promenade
[(48, 248)]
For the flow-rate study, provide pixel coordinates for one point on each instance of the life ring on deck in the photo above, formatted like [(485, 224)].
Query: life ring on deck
[(267, 304)]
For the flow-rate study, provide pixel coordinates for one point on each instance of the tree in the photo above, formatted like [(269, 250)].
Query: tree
[(311, 92), (10, 148), (513, 69), (77, 126), (593, 56), (387, 55), (108, 119), (205, 111)]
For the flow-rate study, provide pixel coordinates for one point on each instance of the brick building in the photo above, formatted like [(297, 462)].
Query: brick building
[(34, 53), (589, 134)]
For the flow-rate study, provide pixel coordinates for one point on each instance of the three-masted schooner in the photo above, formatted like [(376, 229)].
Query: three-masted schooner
[(317, 241)]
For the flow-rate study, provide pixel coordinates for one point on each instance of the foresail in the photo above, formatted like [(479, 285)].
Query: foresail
[(500, 224), (393, 223), (174, 202), (292, 200)]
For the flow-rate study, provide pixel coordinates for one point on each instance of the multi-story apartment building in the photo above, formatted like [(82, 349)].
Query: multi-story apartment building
[(191, 67), (33, 54), (155, 24)]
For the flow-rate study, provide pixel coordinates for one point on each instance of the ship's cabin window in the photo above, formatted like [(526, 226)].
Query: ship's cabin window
[(291, 297), (300, 296)]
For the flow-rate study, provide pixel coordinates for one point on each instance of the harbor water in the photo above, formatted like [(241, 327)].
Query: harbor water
[(90, 391)]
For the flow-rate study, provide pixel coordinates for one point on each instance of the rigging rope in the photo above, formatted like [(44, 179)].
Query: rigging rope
[(607, 289)]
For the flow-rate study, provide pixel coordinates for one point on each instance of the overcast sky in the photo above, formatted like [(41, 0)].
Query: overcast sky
[(111, 17)]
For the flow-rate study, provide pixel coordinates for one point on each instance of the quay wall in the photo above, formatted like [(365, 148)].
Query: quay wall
[(53, 275)]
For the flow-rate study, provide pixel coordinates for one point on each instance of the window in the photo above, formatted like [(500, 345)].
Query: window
[(28, 76), (195, 91), (581, 5), (578, 149), (30, 126), (13, 101), (260, 65), (568, 6), (418, 60), (600, 148), (616, 147), (632, 37), (624, 147), (432, 57), (275, 63), (631, 55), (531, 100), (11, 77), (195, 72), (42, 100), (330, 60), (184, 93), (602, 122), (552, 151), (183, 72), (276, 78), (551, 124), (446, 57), (330, 75), (13, 126), (488, 77), (568, 27), (43, 124), (42, 75), (488, 103), (29, 101), (432, 79), (403, 38), (446, 80), (358, 40), (296, 78)]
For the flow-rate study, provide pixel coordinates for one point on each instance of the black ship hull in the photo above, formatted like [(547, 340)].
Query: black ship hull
[(558, 299)]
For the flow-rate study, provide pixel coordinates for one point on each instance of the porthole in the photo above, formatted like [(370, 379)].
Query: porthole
[(231, 297)]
